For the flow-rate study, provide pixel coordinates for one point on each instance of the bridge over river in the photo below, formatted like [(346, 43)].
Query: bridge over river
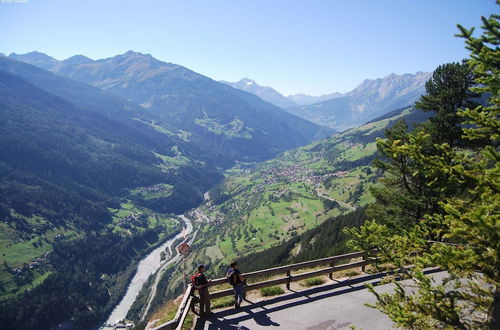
[(335, 305)]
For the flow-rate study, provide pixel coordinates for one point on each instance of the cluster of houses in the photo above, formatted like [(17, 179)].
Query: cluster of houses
[(126, 222), (297, 173), (156, 189), (128, 325), (292, 173), (119, 325), (29, 265)]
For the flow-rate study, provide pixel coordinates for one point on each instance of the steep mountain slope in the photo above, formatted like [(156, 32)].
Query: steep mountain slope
[(232, 124), (304, 99), (89, 176), (268, 94), (180, 161), (370, 99)]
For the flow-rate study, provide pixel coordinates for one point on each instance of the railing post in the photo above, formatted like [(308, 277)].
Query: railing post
[(194, 301), (363, 267), (330, 275), (289, 274)]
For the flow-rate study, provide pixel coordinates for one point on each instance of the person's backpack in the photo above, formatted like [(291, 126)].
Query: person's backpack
[(231, 277), (194, 280)]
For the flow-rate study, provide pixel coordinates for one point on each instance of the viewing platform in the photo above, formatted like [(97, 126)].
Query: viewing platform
[(338, 303), (334, 305)]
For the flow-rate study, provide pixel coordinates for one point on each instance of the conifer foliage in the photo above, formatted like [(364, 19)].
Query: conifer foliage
[(439, 205), (448, 90)]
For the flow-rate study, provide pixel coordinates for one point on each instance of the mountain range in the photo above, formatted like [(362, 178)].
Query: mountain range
[(173, 92), (372, 98), (271, 95), (232, 124), (113, 135)]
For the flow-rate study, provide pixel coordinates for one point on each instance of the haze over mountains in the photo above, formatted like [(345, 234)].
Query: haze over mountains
[(304, 99), (112, 137), (372, 98), (174, 93), (271, 95), (268, 94)]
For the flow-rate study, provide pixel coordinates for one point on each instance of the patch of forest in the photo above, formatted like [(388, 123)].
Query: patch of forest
[(89, 277)]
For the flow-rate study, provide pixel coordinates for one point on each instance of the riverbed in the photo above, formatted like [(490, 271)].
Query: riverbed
[(147, 266)]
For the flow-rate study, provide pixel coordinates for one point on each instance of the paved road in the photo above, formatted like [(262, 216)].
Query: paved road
[(346, 205), (329, 307)]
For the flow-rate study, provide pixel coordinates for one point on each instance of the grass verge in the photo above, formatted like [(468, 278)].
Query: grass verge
[(313, 282), (271, 291)]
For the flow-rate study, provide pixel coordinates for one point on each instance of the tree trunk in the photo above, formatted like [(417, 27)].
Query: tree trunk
[(495, 311)]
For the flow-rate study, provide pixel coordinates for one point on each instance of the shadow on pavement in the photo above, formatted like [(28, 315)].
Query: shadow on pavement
[(223, 319), (259, 311)]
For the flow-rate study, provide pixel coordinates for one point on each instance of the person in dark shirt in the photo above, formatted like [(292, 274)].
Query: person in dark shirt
[(201, 284), (235, 278)]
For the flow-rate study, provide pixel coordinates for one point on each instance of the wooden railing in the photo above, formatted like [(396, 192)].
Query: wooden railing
[(331, 264), (180, 316), (289, 277)]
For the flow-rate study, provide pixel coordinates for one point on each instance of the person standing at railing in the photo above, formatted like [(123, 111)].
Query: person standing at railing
[(237, 280), (201, 283)]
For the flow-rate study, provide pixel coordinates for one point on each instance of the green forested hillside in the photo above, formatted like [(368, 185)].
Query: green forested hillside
[(69, 174), (325, 240)]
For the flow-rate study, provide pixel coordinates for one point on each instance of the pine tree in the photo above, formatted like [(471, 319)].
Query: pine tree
[(461, 236), (448, 90)]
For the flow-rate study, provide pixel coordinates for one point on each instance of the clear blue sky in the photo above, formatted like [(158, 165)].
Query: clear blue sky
[(308, 46)]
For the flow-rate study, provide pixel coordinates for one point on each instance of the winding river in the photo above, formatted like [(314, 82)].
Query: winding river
[(147, 266)]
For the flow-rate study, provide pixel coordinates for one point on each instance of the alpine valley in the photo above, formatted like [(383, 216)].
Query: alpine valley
[(98, 158), (288, 209)]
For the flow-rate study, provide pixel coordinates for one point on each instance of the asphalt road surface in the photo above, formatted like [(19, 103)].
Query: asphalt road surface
[(331, 306)]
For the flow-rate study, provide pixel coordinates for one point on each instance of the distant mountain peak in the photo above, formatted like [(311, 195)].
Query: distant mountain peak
[(41, 60), (78, 59), (247, 81), (134, 54), (267, 94), (34, 55), (138, 61)]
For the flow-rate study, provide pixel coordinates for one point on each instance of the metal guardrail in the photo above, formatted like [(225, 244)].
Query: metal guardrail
[(187, 300)]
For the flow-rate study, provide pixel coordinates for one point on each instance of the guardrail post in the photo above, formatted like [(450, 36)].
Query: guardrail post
[(289, 274), (363, 267), (330, 275)]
